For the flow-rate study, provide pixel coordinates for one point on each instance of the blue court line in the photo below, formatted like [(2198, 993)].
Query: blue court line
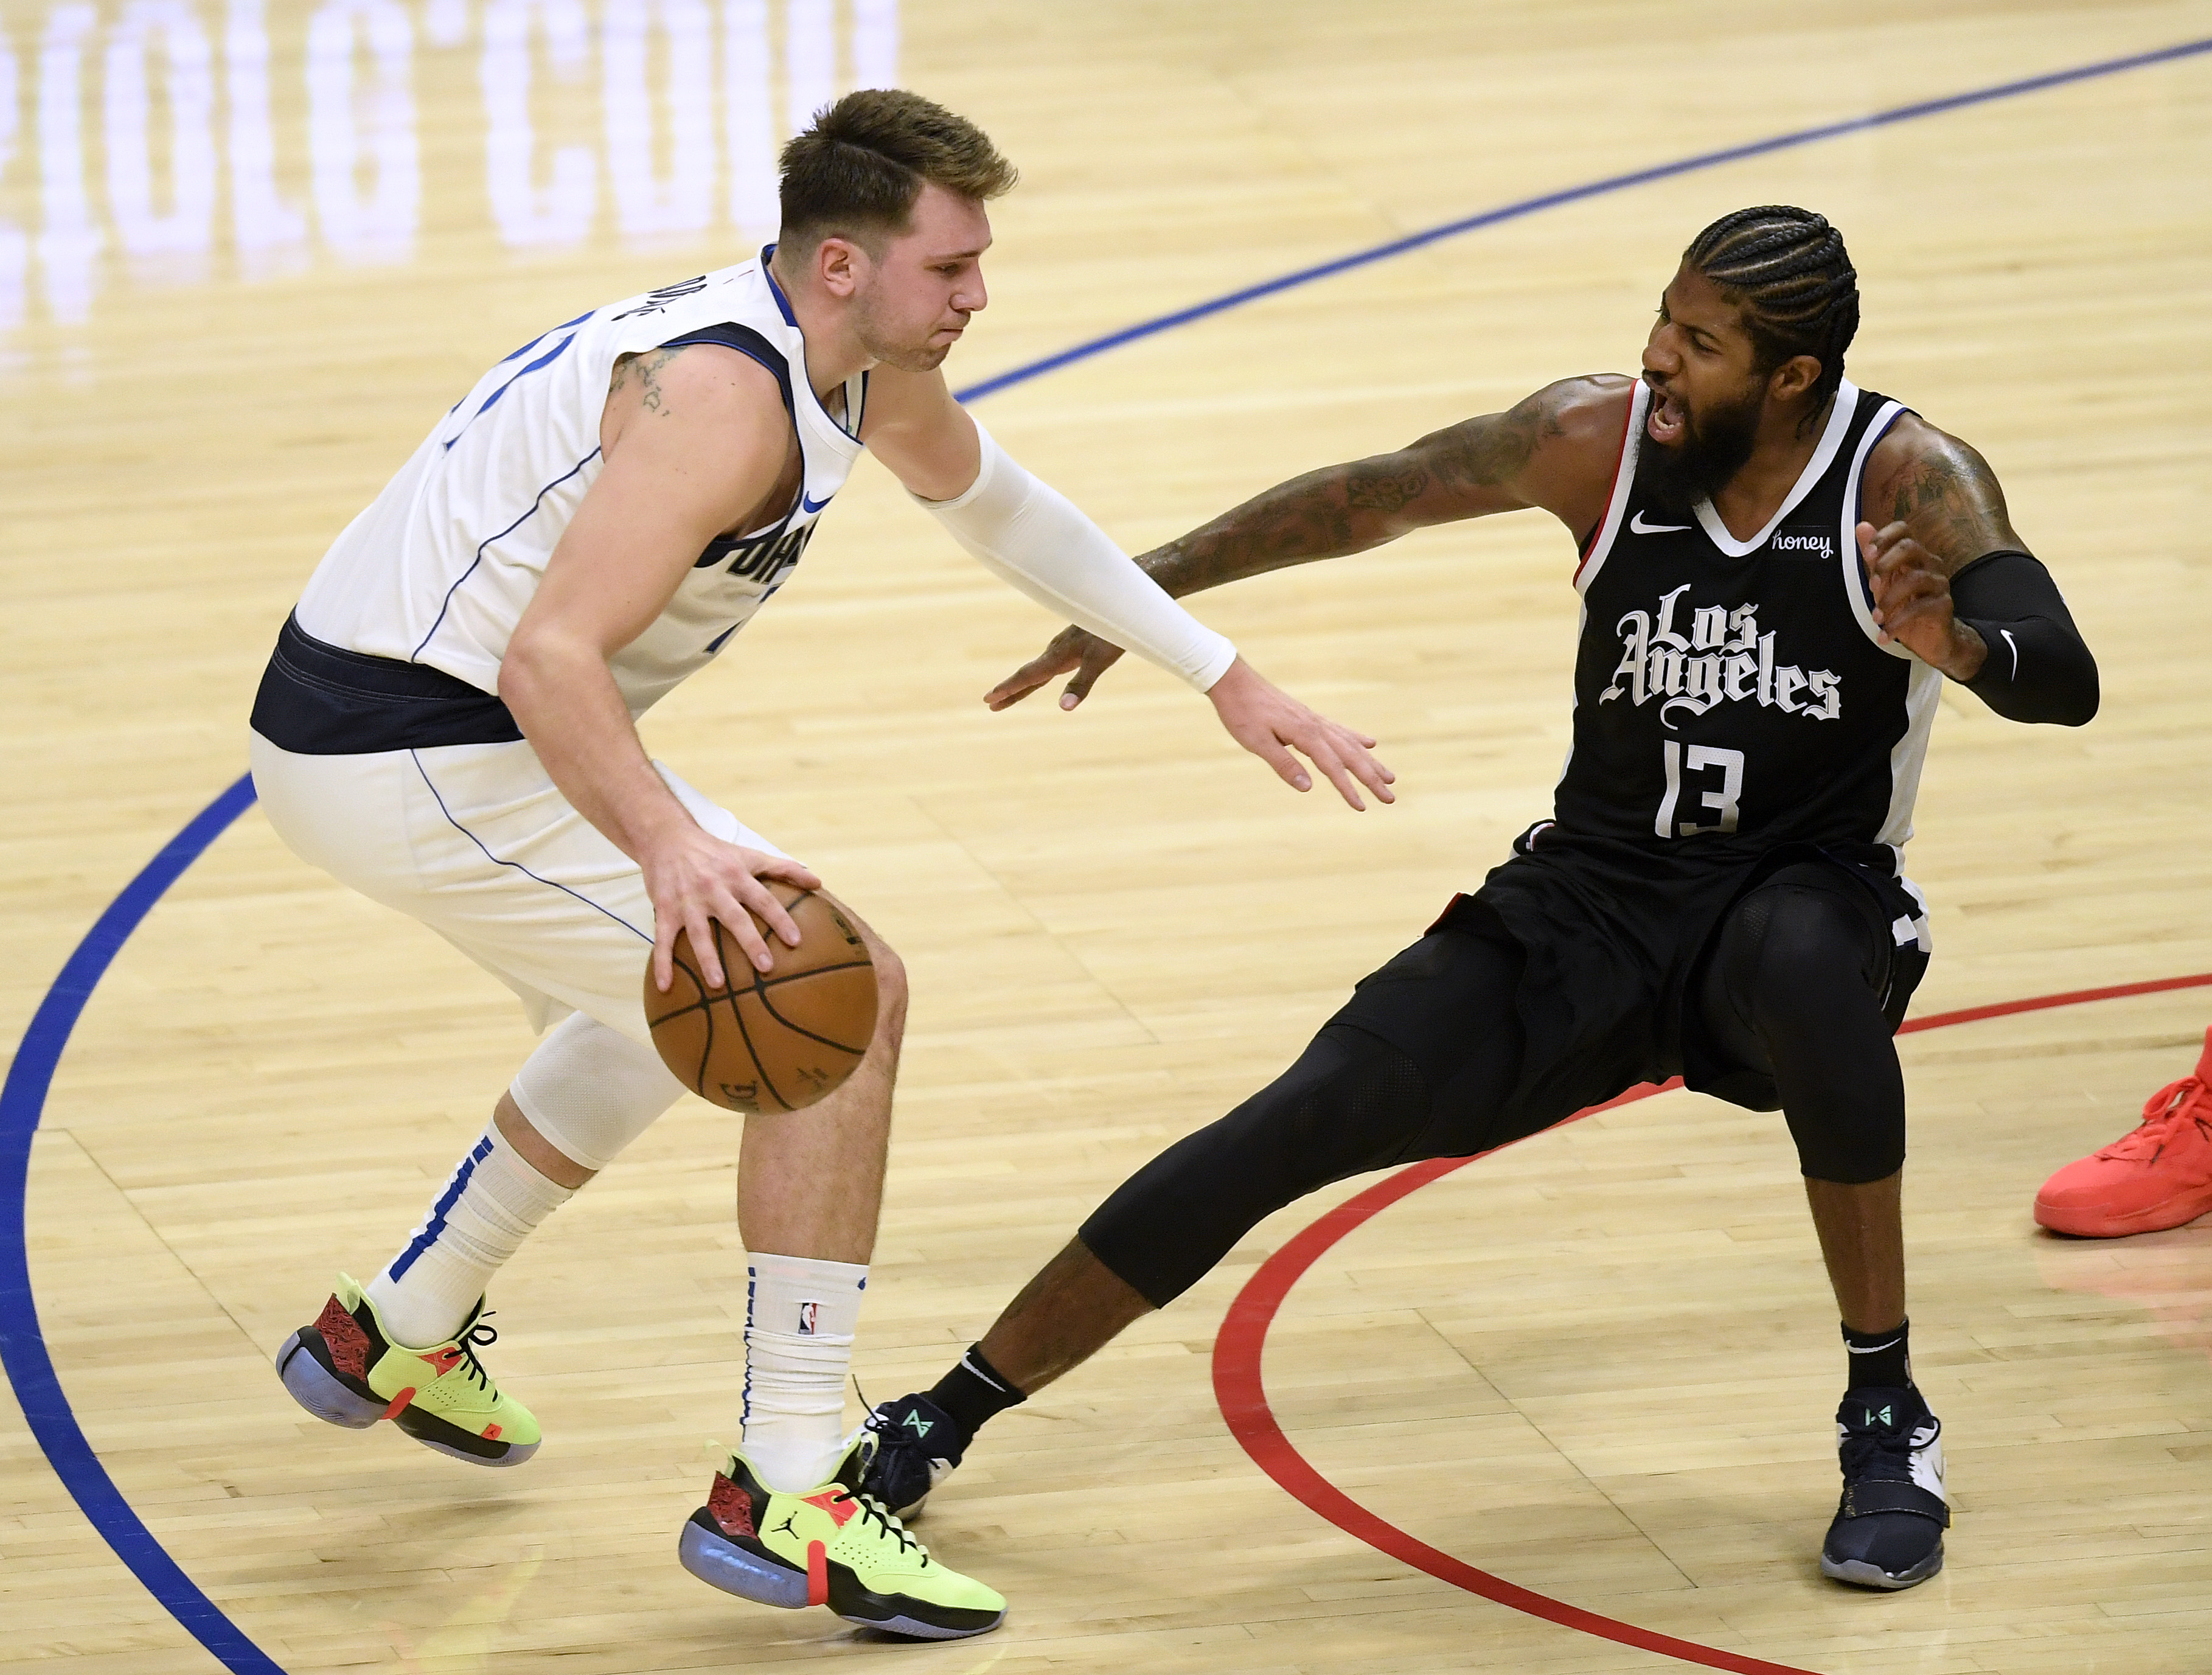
[(22, 1348), (23, 1096), (1553, 200)]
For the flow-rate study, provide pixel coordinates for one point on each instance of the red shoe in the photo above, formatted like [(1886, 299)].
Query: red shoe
[(2158, 1175)]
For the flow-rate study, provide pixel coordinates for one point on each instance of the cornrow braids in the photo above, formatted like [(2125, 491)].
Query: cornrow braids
[(1787, 268)]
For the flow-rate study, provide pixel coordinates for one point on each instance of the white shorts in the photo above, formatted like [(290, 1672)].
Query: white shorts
[(477, 843)]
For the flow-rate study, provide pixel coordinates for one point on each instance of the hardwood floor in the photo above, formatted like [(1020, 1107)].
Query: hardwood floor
[(1601, 1365)]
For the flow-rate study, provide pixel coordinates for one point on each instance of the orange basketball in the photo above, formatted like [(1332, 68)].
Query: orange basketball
[(775, 1040)]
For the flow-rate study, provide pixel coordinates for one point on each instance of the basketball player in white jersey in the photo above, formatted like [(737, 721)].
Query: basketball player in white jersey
[(448, 725)]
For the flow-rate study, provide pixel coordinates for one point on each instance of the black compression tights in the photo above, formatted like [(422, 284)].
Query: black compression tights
[(1794, 988), (1353, 1102), (1422, 1062)]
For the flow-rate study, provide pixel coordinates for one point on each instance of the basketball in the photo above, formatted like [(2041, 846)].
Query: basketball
[(777, 1040)]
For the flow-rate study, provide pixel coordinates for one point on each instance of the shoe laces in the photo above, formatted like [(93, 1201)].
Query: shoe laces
[(1865, 1448), (2163, 1114), (477, 1333), (889, 1438), (871, 1508)]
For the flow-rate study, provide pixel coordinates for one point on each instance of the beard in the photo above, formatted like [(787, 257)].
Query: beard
[(890, 350), (1713, 449)]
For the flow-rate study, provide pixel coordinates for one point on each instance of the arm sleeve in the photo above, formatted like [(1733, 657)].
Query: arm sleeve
[(2039, 668), (1034, 537)]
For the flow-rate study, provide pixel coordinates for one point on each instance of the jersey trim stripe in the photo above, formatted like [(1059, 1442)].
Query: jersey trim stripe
[(447, 603), (767, 255), (1923, 695), (1623, 480), (1857, 587), (728, 334), (1832, 438), (492, 400), (551, 884)]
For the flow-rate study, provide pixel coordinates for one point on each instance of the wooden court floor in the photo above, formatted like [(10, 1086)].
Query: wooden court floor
[(248, 253)]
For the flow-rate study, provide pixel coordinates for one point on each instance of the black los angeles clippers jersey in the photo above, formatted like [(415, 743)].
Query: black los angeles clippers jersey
[(1733, 695)]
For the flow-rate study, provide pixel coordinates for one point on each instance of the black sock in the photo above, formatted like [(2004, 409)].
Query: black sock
[(974, 1391), (1878, 1360)]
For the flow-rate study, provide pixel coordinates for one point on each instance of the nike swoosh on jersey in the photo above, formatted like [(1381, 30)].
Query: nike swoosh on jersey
[(806, 505), (1638, 527)]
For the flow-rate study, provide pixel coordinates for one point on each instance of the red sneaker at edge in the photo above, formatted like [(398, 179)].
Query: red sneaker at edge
[(2157, 1175)]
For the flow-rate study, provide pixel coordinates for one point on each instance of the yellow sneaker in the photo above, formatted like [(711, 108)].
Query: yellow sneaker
[(345, 1368), (830, 1546)]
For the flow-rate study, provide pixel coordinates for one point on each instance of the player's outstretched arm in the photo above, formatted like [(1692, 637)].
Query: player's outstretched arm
[(1953, 584), (1555, 450), (1040, 542), (693, 441)]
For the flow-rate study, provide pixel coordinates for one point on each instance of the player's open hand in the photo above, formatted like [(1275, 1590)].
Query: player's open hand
[(693, 877), (1912, 602), (1072, 648), (1272, 724)]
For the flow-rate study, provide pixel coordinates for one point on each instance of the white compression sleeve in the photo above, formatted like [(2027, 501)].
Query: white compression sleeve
[(1033, 536)]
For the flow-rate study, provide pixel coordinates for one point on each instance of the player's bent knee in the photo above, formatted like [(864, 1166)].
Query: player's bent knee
[(891, 989), (589, 1090), (1352, 1104), (891, 985), (1790, 954)]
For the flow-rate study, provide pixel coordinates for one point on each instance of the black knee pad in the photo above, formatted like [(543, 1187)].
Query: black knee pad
[(1790, 944), (1794, 991), (1350, 1104)]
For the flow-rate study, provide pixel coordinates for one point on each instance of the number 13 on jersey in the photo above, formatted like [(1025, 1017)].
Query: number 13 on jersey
[(1700, 759)]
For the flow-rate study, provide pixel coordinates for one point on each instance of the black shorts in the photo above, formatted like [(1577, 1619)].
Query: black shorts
[(1612, 940)]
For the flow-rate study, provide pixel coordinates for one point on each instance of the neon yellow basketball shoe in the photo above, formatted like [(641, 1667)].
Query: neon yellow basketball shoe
[(345, 1368), (830, 1546)]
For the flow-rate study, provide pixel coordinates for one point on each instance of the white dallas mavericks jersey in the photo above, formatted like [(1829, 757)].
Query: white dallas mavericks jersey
[(440, 567)]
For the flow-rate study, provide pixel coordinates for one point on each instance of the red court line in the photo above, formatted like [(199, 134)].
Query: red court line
[(1243, 1398)]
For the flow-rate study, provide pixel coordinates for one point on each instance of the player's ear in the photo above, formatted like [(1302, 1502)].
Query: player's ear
[(1793, 378), (840, 263)]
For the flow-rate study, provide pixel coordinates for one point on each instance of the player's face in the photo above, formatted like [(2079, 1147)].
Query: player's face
[(1708, 393), (919, 293)]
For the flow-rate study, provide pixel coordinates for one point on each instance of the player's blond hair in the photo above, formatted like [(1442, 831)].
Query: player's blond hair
[(855, 170)]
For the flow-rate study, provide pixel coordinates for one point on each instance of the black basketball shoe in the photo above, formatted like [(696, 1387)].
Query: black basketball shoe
[(1888, 1532), (918, 1444)]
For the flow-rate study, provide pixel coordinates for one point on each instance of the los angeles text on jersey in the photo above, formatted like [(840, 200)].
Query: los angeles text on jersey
[(1722, 659)]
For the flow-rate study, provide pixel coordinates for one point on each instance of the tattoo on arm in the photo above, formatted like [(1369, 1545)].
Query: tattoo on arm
[(645, 370), (1386, 487), (1490, 452), (1948, 498), (1308, 517), (1347, 508)]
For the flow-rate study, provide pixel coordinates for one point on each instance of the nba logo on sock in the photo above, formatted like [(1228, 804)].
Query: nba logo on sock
[(807, 1313)]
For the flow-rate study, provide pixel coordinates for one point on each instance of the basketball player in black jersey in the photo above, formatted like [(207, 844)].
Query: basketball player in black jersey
[(1779, 571)]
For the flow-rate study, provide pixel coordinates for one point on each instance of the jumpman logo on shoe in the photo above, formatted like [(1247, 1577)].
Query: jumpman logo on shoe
[(918, 1425), (787, 1527)]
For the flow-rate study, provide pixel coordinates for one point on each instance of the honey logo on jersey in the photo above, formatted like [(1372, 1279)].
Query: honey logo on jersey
[(1722, 658), (1802, 543)]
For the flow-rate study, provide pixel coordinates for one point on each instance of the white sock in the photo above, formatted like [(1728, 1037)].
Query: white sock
[(491, 1204), (800, 1316)]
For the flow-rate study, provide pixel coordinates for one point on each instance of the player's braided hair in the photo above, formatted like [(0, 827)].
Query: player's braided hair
[(856, 169), (1788, 270)]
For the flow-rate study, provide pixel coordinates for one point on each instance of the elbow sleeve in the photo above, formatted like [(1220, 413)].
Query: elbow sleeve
[(2039, 668), (1035, 538)]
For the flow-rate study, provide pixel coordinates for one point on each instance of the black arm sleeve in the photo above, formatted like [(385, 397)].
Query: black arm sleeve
[(2039, 668)]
